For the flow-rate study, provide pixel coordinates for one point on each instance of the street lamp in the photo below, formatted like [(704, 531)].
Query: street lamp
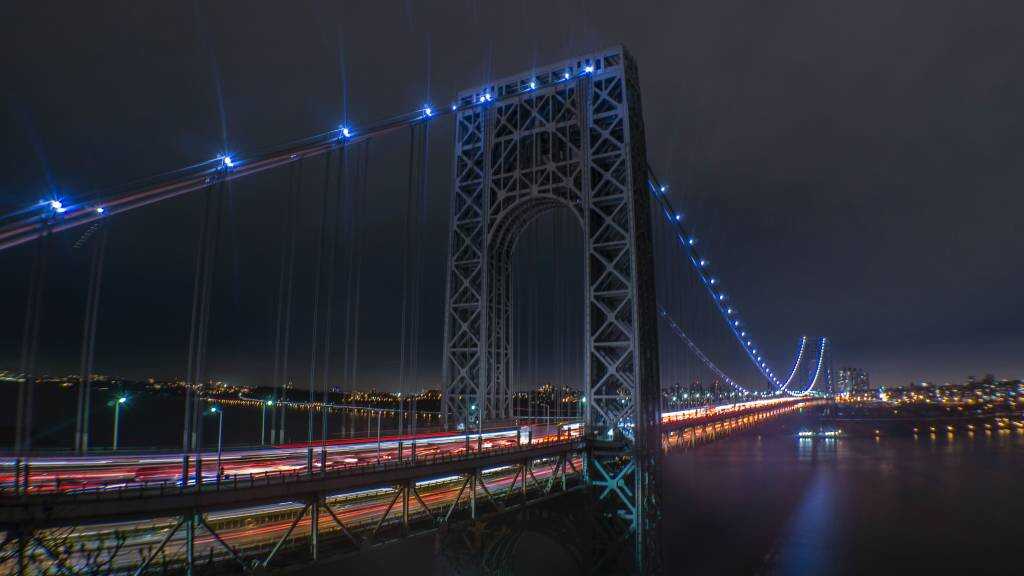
[(220, 434), (117, 416), (479, 431), (263, 419)]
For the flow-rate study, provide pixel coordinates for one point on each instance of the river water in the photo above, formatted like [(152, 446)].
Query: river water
[(769, 503)]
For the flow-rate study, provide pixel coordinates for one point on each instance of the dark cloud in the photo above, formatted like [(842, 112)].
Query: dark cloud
[(854, 169)]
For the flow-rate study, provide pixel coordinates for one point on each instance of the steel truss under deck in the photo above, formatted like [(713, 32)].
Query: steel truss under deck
[(39, 531)]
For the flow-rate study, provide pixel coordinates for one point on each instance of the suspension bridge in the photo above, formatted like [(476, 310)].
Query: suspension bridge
[(659, 349)]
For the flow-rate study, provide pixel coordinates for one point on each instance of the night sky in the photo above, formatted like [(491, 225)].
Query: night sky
[(854, 169)]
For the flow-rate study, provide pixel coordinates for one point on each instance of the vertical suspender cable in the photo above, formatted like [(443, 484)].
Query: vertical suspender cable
[(30, 344), (89, 342), (360, 200), (202, 337), (417, 279), (322, 235), (293, 208), (348, 177), (410, 206), (281, 279), (197, 283), (329, 307)]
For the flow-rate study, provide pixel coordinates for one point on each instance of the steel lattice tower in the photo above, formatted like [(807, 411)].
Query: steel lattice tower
[(568, 135)]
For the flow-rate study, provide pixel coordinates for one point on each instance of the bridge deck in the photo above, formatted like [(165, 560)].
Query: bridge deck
[(173, 499)]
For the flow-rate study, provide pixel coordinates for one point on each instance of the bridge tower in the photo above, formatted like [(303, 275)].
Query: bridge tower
[(567, 135)]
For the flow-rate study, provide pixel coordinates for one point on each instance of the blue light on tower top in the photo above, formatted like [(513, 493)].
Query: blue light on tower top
[(588, 69), (346, 132), (428, 111), (58, 206), (532, 85), (227, 162)]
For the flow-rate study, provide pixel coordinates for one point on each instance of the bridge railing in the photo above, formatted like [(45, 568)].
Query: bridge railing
[(145, 489)]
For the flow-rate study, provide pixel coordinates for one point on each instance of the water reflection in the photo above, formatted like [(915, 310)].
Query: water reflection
[(806, 544), (767, 502)]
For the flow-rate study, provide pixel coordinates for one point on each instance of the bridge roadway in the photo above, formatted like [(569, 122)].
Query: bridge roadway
[(357, 505), (114, 471)]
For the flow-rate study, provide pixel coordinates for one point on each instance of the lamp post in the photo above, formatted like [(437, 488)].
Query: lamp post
[(399, 395), (117, 417), (479, 439), (379, 410), (220, 434), (263, 420)]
